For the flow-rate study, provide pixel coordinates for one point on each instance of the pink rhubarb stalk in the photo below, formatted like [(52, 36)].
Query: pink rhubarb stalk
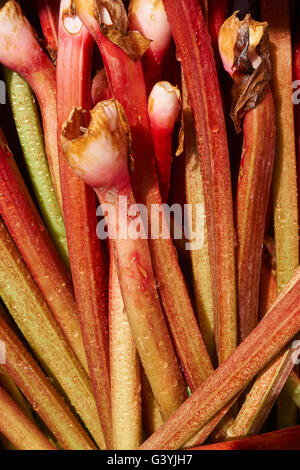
[(149, 18), (126, 81), (87, 259), (275, 330), (163, 107), (194, 49), (21, 52), (99, 156)]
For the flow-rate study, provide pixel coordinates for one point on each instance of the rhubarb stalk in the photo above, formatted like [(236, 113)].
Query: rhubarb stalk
[(255, 105), (40, 392), (87, 259), (18, 291), (125, 372), (163, 107), (287, 439), (285, 201), (99, 156), (152, 419), (202, 281), (275, 330), (149, 18), (277, 15), (125, 77), (18, 428), (194, 49), (28, 231), (27, 120), (21, 52)]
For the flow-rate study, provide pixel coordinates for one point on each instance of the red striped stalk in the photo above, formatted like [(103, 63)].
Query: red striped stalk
[(21, 52), (29, 233), (87, 260), (256, 167), (194, 49), (40, 392), (99, 154), (126, 81), (275, 330)]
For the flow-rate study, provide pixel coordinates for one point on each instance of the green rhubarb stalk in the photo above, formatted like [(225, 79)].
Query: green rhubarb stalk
[(278, 15), (26, 116), (51, 410), (28, 308)]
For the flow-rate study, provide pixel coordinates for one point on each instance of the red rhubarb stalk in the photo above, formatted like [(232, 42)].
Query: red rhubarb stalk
[(256, 167), (100, 156), (163, 107), (21, 52), (48, 11), (286, 439), (193, 45), (149, 18), (87, 260), (125, 372), (275, 330), (40, 392), (29, 233), (125, 77)]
